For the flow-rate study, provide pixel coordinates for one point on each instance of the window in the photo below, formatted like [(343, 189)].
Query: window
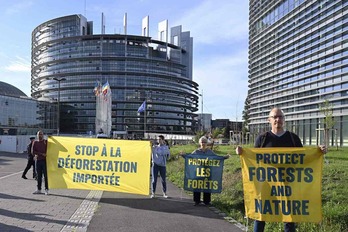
[(176, 40)]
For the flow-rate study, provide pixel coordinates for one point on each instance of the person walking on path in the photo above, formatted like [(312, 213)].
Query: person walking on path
[(277, 137), (160, 154), (203, 150), (31, 161), (40, 153)]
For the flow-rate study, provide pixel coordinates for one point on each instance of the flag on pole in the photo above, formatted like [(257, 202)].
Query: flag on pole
[(105, 88), (142, 108), (97, 88)]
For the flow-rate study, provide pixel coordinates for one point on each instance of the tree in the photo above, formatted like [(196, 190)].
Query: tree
[(198, 135), (246, 118), (216, 132), (227, 131), (327, 109)]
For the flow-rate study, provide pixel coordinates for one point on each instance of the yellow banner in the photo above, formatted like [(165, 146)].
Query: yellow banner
[(99, 164), (282, 184)]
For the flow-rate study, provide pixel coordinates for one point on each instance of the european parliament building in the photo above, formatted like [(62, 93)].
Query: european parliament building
[(298, 59), (68, 60)]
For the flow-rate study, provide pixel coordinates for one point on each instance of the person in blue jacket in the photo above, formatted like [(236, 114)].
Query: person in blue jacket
[(160, 154)]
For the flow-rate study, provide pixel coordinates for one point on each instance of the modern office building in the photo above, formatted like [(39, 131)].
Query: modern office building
[(204, 121), (225, 123), (18, 112), (68, 60), (298, 58)]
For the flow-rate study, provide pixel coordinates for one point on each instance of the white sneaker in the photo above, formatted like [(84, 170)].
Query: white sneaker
[(46, 192), (165, 195), (37, 192), (152, 195)]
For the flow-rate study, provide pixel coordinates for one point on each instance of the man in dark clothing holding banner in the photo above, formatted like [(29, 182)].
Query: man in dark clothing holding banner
[(39, 151), (277, 137)]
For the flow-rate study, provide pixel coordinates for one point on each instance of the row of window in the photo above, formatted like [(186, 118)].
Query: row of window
[(18, 112), (67, 28), (277, 13), (300, 61), (308, 131), (311, 79), (313, 48), (332, 84), (308, 27), (301, 47)]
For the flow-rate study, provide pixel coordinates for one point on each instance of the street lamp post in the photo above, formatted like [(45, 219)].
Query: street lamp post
[(58, 102), (201, 124)]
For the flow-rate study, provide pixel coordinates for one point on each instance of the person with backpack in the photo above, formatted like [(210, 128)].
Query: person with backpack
[(31, 161), (277, 137)]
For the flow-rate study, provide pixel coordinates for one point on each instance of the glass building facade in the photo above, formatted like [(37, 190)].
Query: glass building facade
[(18, 112), (298, 58), (138, 68)]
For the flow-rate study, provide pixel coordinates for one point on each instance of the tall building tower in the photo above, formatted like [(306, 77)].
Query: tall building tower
[(68, 60), (298, 58)]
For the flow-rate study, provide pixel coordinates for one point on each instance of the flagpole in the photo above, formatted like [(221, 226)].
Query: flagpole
[(145, 119)]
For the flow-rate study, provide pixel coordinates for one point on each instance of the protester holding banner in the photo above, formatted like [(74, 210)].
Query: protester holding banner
[(39, 150), (203, 151), (160, 154), (277, 137)]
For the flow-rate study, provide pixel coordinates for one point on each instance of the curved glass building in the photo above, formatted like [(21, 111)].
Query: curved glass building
[(68, 60), (298, 59)]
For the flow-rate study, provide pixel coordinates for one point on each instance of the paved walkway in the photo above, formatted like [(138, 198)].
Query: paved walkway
[(82, 210)]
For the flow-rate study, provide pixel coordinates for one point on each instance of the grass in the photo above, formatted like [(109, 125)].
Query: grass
[(230, 200)]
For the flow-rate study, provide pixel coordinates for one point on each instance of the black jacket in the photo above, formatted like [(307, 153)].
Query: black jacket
[(268, 139)]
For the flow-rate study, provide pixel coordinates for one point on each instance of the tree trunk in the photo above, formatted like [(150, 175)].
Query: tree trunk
[(327, 137)]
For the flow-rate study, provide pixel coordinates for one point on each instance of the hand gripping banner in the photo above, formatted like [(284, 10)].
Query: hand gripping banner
[(282, 184), (99, 164), (203, 173)]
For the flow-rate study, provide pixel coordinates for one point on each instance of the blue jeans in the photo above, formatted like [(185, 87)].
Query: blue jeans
[(41, 170), (162, 170), (259, 226)]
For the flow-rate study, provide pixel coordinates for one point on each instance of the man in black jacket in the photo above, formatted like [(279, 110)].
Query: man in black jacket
[(277, 137), (31, 161)]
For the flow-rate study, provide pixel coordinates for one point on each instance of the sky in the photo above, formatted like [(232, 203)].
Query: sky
[(219, 30)]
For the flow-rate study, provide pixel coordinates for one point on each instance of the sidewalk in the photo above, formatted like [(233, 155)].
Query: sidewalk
[(125, 213), (81, 210)]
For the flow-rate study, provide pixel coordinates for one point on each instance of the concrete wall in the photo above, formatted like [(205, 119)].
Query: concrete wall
[(13, 143)]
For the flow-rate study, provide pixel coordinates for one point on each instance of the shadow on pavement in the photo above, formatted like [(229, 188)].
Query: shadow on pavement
[(6, 196), (5, 161), (5, 227), (169, 205), (30, 217), (67, 196), (13, 155)]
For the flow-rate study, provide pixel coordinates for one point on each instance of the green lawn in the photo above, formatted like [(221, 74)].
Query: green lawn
[(230, 201)]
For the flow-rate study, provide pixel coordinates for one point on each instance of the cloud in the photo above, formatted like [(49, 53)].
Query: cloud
[(18, 7), (220, 37), (19, 65), (216, 22), (223, 79)]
